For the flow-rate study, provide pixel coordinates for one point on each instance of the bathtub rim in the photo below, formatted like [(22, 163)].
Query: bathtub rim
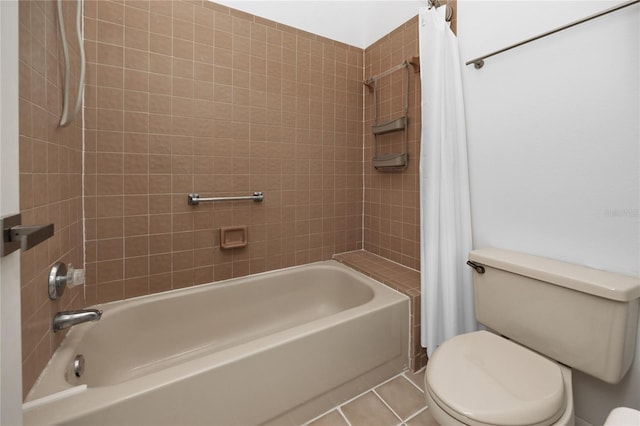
[(168, 294)]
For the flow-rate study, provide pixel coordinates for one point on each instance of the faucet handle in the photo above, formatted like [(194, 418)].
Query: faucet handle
[(57, 280), (61, 277)]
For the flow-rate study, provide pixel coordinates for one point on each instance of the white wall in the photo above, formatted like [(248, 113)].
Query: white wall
[(553, 134), (355, 22), (10, 356)]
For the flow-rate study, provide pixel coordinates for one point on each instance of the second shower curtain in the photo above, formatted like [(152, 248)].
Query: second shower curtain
[(445, 223)]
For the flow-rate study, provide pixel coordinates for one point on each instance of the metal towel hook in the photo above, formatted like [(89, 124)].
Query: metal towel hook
[(478, 267)]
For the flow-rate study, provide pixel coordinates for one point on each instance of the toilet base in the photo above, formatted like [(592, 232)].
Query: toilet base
[(442, 417)]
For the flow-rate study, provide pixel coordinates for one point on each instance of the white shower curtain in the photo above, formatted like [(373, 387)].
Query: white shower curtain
[(445, 219)]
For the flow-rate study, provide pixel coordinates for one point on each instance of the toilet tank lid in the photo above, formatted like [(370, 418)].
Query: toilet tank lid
[(604, 284)]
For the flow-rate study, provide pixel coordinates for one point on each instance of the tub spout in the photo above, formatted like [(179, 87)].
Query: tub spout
[(66, 319)]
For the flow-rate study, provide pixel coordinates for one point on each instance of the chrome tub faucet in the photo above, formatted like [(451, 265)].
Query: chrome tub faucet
[(66, 319)]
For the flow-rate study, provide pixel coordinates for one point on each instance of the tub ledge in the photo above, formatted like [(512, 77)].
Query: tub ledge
[(54, 397)]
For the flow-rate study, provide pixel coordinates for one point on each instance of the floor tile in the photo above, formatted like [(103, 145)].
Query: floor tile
[(417, 377), (402, 396), (423, 419), (369, 410), (332, 418)]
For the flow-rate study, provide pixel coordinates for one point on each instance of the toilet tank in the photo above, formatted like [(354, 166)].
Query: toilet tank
[(582, 317)]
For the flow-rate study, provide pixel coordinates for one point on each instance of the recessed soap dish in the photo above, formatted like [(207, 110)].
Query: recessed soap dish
[(233, 236)]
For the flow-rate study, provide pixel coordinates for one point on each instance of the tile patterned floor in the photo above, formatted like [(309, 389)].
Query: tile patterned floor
[(398, 401)]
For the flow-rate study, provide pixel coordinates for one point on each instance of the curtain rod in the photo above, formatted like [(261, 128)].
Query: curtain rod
[(448, 14), (479, 62)]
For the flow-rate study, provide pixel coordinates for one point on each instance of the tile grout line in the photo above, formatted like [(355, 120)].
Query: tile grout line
[(339, 406), (412, 382), (416, 414), (420, 411), (388, 406), (344, 417), (402, 421)]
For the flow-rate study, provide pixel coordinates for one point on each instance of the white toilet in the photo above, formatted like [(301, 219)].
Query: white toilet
[(547, 317), (623, 416)]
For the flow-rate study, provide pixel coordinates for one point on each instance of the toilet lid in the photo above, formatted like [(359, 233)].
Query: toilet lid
[(485, 379)]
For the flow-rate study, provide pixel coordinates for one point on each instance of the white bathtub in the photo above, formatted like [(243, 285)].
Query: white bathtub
[(278, 347)]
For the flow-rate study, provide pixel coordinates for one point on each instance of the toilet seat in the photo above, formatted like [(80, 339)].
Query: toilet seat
[(482, 379)]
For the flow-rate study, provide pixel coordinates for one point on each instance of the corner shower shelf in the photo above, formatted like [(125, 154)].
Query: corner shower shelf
[(391, 126), (390, 162), (395, 161)]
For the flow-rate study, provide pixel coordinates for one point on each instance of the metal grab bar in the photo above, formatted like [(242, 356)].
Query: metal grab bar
[(194, 199), (479, 61)]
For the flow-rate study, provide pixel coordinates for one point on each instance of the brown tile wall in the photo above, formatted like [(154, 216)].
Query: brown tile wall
[(391, 200), (190, 96), (50, 178)]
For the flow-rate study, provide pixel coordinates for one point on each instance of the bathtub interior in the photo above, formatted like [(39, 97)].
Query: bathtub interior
[(167, 332)]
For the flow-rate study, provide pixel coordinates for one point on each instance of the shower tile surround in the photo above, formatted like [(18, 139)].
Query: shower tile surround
[(391, 200), (191, 96), (50, 179)]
